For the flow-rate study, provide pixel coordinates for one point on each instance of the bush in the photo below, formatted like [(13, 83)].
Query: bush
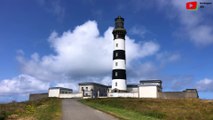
[(30, 109), (3, 115)]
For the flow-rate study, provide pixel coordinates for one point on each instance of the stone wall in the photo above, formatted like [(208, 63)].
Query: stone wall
[(188, 93), (38, 96), (71, 95), (131, 95)]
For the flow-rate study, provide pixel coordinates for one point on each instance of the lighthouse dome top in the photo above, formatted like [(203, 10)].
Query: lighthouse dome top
[(119, 18)]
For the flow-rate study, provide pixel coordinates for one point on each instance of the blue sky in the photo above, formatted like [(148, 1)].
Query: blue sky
[(47, 43)]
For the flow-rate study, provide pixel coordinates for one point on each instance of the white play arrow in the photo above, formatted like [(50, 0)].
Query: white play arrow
[(190, 5)]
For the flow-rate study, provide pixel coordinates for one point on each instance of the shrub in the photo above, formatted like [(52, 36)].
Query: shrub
[(3, 115), (30, 109)]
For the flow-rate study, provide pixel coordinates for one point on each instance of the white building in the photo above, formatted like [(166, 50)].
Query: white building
[(146, 89), (57, 91), (92, 89), (150, 88)]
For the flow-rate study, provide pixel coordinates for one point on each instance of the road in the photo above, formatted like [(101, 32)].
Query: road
[(74, 110)]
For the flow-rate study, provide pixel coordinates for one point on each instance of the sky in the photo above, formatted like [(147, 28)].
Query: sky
[(48, 43)]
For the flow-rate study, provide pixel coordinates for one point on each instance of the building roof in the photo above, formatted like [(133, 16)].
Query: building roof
[(188, 90), (60, 88), (132, 85), (91, 83), (150, 81), (128, 86)]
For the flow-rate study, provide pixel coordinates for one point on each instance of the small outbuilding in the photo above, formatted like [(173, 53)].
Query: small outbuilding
[(56, 91), (150, 88)]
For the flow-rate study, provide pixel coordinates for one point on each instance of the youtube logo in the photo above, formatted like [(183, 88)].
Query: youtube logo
[(192, 5)]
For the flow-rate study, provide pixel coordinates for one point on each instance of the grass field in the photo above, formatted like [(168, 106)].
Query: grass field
[(153, 109), (45, 109)]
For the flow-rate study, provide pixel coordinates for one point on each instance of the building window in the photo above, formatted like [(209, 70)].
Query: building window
[(116, 74), (116, 44), (86, 88), (116, 83), (82, 88), (116, 63)]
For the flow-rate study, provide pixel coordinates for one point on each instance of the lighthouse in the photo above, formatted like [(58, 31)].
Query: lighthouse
[(119, 57)]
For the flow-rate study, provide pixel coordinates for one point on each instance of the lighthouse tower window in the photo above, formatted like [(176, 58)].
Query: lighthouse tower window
[(116, 54), (117, 36), (116, 44), (116, 84), (116, 74), (116, 63)]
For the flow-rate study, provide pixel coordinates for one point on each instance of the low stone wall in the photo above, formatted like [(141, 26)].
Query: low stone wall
[(38, 96), (171, 95), (132, 95), (71, 95), (188, 93)]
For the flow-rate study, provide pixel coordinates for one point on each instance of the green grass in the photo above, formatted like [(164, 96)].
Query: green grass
[(148, 109), (123, 114), (45, 109)]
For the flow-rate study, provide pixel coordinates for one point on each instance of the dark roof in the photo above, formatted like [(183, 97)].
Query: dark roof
[(38, 93), (129, 85), (132, 85), (150, 81), (190, 90), (91, 83), (60, 88), (119, 18)]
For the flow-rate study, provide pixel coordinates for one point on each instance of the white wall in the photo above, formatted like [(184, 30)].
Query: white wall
[(148, 92), (53, 92), (72, 95), (133, 95)]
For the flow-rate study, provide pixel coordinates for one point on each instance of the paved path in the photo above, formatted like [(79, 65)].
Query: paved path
[(74, 110)]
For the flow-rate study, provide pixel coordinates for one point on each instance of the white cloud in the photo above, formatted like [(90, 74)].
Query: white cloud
[(73, 86), (194, 25), (147, 68), (167, 57), (202, 35), (140, 31), (22, 84), (81, 53), (205, 84), (179, 82)]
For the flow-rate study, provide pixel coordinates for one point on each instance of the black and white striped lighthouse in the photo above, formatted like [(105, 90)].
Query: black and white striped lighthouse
[(119, 58)]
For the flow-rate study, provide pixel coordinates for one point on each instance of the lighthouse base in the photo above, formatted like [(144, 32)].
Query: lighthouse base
[(119, 85)]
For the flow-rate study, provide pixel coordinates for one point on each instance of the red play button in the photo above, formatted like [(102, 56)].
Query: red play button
[(191, 5)]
